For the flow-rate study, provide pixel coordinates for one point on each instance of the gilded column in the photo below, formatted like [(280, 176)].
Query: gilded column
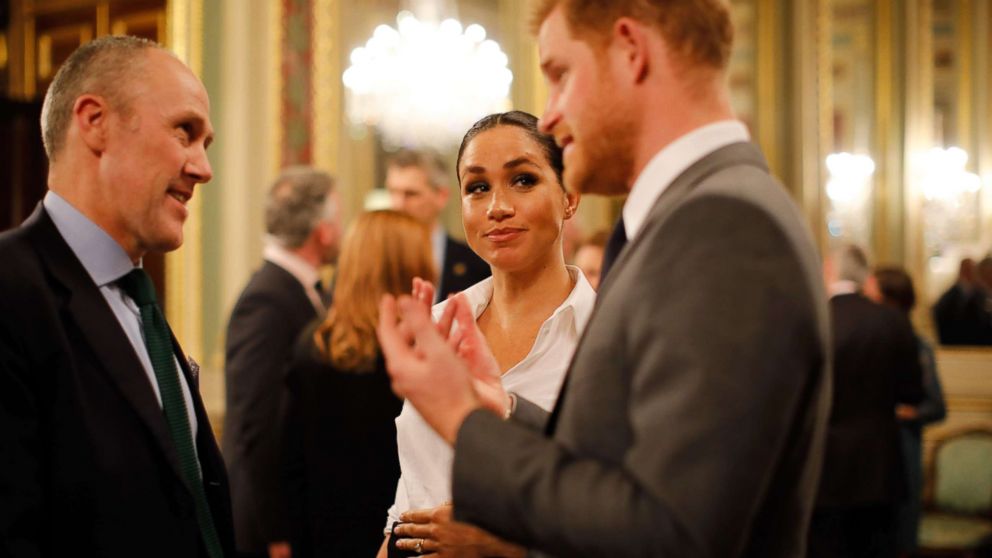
[(887, 206), (767, 36), (327, 88), (183, 267), (919, 138)]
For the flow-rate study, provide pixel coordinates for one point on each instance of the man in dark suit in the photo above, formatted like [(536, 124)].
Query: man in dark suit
[(417, 183), (693, 415), (303, 225), (106, 447), (876, 367), (962, 314)]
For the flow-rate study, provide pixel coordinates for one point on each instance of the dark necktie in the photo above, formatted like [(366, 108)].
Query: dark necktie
[(618, 239), (158, 341)]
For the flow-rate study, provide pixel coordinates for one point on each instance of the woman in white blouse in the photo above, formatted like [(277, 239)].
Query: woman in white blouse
[(531, 312)]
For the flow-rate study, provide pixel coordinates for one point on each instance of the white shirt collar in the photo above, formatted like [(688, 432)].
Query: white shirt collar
[(670, 162), (299, 268), (577, 306), (439, 242), (843, 287)]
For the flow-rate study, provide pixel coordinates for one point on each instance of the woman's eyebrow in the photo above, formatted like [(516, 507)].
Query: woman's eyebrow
[(519, 161), (479, 169)]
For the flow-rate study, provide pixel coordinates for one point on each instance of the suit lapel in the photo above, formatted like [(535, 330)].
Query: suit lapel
[(743, 153), (86, 306)]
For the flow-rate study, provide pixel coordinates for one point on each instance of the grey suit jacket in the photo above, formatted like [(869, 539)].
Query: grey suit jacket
[(694, 416)]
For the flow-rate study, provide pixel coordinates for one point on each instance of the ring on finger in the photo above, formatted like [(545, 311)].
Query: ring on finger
[(419, 547)]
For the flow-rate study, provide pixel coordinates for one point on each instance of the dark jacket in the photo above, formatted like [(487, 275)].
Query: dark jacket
[(88, 465), (341, 463), (264, 325), (462, 269), (876, 366)]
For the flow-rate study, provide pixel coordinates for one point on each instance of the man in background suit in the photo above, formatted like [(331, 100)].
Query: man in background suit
[(417, 183), (962, 314), (693, 416), (106, 448), (876, 367), (303, 225)]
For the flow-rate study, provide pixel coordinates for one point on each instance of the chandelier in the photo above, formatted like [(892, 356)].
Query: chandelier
[(423, 84)]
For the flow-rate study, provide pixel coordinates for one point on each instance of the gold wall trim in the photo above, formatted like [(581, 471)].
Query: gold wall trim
[(102, 19), (884, 186), (326, 84), (767, 33), (3, 50), (812, 106), (16, 44), (29, 60), (964, 46), (45, 56), (824, 105), (918, 114), (276, 29), (184, 267)]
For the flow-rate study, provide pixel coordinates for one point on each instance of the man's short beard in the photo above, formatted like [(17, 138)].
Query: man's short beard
[(607, 164)]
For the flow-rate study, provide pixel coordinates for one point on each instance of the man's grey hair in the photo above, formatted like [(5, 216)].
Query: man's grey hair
[(298, 200), (851, 264), (105, 67), (429, 161)]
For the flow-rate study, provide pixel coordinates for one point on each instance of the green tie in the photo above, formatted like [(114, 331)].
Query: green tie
[(139, 287)]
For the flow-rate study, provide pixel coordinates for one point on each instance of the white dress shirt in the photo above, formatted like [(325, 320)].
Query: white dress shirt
[(106, 262), (425, 458), (296, 266), (842, 287), (670, 162)]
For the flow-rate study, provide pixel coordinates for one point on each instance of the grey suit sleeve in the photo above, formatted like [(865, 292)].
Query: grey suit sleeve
[(529, 414), (720, 350)]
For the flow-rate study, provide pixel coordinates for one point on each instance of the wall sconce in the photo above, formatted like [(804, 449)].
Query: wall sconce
[(848, 189), (951, 216), (944, 178)]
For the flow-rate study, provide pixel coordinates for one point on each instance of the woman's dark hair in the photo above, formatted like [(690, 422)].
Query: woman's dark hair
[(523, 120), (896, 287)]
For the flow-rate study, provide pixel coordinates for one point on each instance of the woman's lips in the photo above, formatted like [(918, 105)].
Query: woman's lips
[(504, 234)]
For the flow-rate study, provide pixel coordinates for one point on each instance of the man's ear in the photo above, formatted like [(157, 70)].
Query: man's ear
[(90, 115), (443, 193), (630, 48), (323, 234)]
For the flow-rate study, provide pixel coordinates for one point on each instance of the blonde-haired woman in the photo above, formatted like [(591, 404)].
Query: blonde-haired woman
[(341, 463)]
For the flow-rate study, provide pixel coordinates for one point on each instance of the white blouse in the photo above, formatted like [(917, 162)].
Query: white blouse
[(425, 458)]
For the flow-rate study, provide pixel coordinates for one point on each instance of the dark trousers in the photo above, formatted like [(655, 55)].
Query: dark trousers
[(852, 532)]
